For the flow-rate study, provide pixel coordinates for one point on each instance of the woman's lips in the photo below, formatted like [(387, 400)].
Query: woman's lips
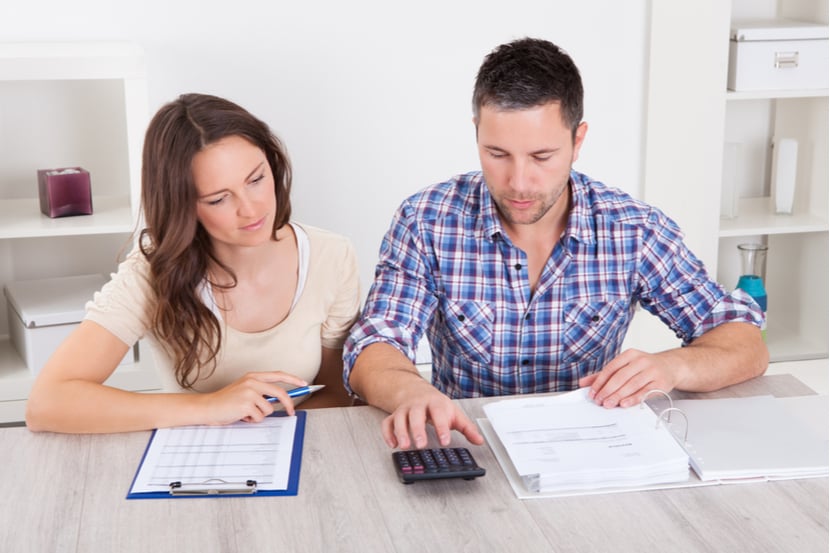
[(255, 226)]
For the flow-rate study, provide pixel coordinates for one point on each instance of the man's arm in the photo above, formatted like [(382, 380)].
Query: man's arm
[(385, 378), (725, 355)]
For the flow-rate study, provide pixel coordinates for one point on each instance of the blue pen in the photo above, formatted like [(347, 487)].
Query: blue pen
[(301, 391)]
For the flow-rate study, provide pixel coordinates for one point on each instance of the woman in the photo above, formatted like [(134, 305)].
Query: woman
[(235, 301)]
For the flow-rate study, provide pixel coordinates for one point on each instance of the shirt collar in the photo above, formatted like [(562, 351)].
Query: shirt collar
[(580, 220), (489, 225)]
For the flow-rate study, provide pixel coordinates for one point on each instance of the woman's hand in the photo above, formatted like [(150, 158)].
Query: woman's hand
[(246, 398)]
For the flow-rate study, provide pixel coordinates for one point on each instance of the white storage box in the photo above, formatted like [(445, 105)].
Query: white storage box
[(777, 54), (42, 313)]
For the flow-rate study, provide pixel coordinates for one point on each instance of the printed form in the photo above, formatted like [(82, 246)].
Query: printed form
[(219, 455)]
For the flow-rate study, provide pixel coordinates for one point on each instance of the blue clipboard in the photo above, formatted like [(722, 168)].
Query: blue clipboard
[(248, 488)]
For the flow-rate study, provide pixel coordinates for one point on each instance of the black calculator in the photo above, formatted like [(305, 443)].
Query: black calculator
[(436, 463)]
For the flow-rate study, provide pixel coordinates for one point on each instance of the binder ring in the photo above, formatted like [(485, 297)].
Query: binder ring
[(658, 391), (668, 419)]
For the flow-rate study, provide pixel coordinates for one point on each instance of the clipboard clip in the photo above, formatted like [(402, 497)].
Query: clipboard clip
[(213, 486)]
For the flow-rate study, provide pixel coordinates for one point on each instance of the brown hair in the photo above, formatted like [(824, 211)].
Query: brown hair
[(175, 244)]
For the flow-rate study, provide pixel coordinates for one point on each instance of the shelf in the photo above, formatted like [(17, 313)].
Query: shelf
[(80, 103), (21, 218), (786, 345), (775, 94), (16, 380), (757, 216), (71, 61)]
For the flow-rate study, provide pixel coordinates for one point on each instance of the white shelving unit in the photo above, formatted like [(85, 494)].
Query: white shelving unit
[(690, 118), (67, 104), (797, 261)]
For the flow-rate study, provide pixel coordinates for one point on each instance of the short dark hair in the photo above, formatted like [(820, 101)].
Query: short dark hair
[(527, 73)]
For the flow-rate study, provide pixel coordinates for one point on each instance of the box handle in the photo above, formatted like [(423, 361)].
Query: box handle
[(786, 60)]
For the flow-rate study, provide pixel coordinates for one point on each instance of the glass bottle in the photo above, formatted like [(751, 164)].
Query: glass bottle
[(753, 276)]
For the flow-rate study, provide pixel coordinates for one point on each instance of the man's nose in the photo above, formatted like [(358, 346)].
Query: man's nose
[(519, 177)]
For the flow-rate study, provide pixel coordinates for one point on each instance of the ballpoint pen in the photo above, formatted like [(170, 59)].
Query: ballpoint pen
[(301, 391)]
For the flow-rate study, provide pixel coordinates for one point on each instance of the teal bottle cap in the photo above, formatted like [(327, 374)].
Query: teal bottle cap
[(754, 286)]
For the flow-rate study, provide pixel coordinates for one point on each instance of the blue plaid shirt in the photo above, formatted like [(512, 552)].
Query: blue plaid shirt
[(448, 268)]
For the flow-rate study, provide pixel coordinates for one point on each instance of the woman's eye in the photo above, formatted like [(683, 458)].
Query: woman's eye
[(217, 201), (258, 179)]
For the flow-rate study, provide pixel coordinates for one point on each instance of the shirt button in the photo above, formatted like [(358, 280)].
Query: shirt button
[(527, 317), (461, 318), (595, 318), (518, 266), (525, 361)]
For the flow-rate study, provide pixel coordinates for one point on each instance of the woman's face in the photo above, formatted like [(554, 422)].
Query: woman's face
[(235, 188)]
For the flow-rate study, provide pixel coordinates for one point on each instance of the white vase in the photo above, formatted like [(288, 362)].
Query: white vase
[(784, 163)]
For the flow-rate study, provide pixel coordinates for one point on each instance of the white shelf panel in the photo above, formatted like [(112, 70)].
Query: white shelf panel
[(786, 345), (757, 216), (21, 218), (16, 379), (70, 60), (776, 94)]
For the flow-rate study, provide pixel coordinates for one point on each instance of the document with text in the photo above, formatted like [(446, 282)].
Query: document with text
[(567, 442)]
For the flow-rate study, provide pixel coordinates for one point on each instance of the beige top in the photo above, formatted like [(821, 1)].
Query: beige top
[(321, 317)]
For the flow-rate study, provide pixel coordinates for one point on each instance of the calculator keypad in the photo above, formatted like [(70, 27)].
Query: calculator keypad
[(431, 464)]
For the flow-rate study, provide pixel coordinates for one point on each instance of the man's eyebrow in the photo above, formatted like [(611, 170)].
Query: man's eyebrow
[(490, 147), (540, 151)]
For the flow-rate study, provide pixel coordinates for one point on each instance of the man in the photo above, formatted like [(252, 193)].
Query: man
[(525, 275)]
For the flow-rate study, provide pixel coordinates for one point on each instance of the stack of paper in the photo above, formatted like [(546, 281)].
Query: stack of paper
[(567, 442)]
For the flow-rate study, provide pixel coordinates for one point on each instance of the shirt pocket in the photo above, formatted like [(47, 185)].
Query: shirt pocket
[(594, 330), (469, 327)]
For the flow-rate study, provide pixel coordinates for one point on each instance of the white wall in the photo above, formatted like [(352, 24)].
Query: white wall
[(372, 99)]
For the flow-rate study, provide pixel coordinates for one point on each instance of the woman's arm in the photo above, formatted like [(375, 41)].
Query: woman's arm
[(69, 394)]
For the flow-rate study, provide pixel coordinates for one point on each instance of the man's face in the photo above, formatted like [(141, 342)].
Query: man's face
[(526, 156)]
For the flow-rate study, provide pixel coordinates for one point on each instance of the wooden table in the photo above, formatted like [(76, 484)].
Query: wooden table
[(66, 493)]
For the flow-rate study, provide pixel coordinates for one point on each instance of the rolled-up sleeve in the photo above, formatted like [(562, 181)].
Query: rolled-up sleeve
[(677, 288), (402, 297)]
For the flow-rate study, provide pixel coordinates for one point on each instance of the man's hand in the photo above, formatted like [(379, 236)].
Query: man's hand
[(626, 379), (423, 405), (725, 355), (385, 378)]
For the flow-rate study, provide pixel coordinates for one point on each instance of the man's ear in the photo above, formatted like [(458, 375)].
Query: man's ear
[(579, 137)]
